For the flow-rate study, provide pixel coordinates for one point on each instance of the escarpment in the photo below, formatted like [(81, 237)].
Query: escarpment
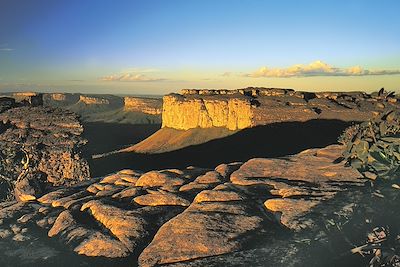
[(60, 99), (89, 100), (108, 108), (244, 108), (188, 117), (31, 98), (151, 106), (185, 112)]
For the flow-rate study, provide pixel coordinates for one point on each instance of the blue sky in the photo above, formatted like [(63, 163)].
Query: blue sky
[(156, 46)]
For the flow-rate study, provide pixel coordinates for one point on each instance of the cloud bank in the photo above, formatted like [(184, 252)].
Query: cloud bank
[(130, 77), (316, 68)]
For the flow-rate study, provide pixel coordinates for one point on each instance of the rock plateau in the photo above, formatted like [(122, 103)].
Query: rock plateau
[(186, 115)]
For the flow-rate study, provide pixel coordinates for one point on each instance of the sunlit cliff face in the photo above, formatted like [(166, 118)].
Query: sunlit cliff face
[(244, 108)]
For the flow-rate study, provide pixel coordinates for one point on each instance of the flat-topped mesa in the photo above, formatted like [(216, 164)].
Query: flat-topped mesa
[(248, 107), (92, 100), (152, 106), (60, 99), (185, 112), (24, 94), (30, 98), (250, 91)]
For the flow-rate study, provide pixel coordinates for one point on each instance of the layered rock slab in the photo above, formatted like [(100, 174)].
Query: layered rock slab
[(210, 226), (103, 217), (183, 216), (40, 148), (311, 177)]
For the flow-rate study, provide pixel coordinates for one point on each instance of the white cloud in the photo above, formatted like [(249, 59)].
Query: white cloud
[(130, 77), (6, 49), (316, 68)]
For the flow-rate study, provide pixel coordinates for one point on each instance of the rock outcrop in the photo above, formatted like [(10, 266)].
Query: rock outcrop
[(224, 112), (91, 100), (186, 112), (193, 215), (40, 148), (243, 108), (108, 108), (151, 106), (32, 98), (60, 99)]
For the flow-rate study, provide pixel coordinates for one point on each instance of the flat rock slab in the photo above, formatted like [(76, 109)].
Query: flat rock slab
[(314, 166), (161, 199), (202, 230), (159, 178), (183, 216), (311, 177)]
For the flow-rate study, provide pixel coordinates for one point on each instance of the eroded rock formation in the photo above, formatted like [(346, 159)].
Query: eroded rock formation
[(60, 99), (32, 98), (40, 148), (91, 100), (193, 215), (224, 112), (108, 108), (186, 112), (151, 106), (243, 108)]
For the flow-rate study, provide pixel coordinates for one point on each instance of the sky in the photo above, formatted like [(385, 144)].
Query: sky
[(161, 46)]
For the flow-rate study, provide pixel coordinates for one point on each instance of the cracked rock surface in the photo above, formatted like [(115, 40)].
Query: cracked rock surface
[(188, 217), (39, 149)]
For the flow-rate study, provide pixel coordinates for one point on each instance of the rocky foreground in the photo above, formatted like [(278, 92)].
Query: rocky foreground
[(39, 149), (192, 216), (261, 212)]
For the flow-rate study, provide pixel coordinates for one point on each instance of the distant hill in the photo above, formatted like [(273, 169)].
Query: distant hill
[(109, 108)]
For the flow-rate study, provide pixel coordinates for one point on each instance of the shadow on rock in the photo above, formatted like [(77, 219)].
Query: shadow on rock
[(273, 140)]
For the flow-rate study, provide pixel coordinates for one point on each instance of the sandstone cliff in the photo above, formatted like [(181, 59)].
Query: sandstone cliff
[(60, 99), (191, 111), (32, 98), (90, 100), (185, 112), (108, 108), (151, 106), (243, 108)]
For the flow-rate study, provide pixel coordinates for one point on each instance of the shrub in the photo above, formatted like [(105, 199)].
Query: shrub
[(374, 146)]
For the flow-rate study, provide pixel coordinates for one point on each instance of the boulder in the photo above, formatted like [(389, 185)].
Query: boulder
[(127, 226), (159, 178), (217, 196), (129, 192), (29, 187), (63, 221), (161, 199), (101, 245), (225, 170), (210, 177), (302, 182), (203, 230)]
